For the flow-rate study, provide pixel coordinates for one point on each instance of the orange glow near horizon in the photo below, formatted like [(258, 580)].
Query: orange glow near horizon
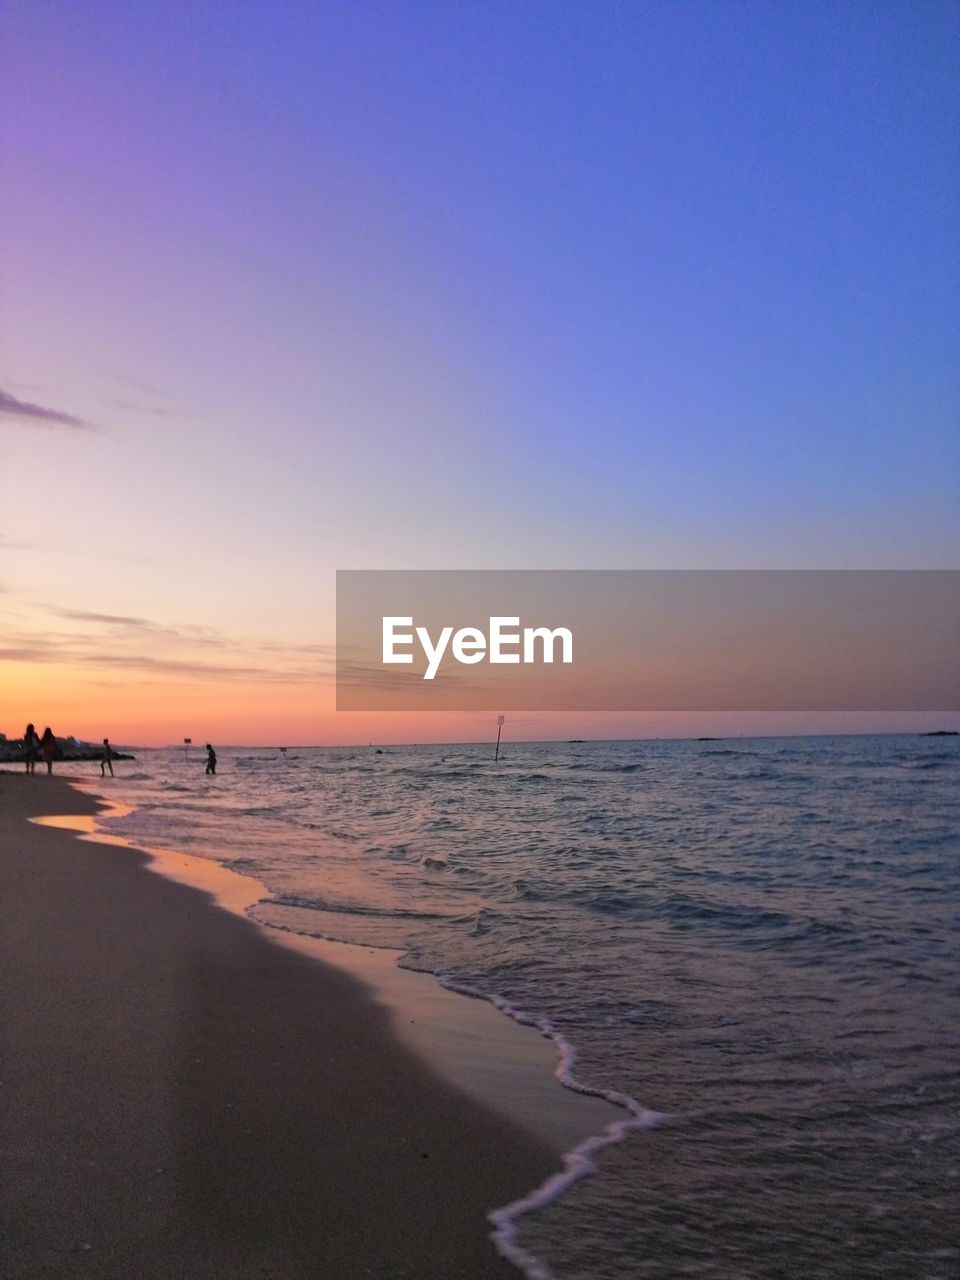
[(152, 712), (143, 681)]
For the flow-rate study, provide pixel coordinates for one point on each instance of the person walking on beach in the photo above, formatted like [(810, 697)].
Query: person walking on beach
[(211, 760), (48, 748), (31, 748), (106, 761)]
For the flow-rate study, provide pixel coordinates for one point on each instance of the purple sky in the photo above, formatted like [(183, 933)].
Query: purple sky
[(294, 288)]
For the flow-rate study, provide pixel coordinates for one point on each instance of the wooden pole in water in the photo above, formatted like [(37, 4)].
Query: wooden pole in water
[(186, 749), (500, 720)]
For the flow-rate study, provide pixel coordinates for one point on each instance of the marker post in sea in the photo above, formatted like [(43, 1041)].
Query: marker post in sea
[(500, 720), (186, 749)]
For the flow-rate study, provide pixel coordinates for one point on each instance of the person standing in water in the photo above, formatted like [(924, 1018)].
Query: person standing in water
[(31, 747), (106, 760), (211, 760), (48, 748)]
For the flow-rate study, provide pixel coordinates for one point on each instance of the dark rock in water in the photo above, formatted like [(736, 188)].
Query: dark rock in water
[(573, 741), (709, 739), (942, 733)]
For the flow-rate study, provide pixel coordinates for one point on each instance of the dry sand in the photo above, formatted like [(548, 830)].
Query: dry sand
[(182, 1098)]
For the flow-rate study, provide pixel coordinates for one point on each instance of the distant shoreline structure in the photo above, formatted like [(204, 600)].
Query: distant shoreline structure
[(68, 748), (558, 741), (72, 749)]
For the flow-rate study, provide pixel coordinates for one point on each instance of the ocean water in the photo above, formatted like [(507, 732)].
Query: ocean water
[(757, 938)]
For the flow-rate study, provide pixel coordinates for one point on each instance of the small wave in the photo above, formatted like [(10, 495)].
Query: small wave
[(434, 864), (443, 824), (351, 908), (520, 888), (249, 866), (480, 925), (611, 902), (251, 913), (436, 772), (183, 808), (685, 910), (578, 1163), (333, 832)]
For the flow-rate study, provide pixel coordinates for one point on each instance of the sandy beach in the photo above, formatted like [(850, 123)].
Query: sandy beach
[(183, 1098)]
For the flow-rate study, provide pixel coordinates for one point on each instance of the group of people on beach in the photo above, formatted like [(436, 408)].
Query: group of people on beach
[(44, 747), (37, 747)]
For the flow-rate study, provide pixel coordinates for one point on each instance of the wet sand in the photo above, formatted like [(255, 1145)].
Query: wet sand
[(183, 1098)]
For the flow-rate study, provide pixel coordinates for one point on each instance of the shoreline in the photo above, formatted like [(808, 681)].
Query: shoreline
[(503, 1097), (492, 1054), (182, 1096)]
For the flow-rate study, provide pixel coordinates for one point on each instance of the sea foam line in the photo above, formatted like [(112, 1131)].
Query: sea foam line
[(577, 1163)]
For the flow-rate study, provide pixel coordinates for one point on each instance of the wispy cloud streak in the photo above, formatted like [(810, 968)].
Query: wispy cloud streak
[(39, 415), (126, 643), (151, 410)]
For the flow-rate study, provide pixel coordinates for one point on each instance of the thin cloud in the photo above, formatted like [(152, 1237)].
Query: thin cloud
[(152, 410), (148, 664), (61, 549), (353, 676), (108, 619), (129, 643), (133, 626), (9, 544), (138, 384), (39, 415)]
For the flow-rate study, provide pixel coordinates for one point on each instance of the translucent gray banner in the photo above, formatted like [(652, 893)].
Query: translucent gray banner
[(648, 640)]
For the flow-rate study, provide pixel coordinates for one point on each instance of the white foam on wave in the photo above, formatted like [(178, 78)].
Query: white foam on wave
[(578, 1163)]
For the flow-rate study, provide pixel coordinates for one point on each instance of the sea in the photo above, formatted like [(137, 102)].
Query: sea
[(750, 944)]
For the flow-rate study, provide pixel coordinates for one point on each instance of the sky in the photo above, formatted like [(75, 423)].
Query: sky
[(292, 288)]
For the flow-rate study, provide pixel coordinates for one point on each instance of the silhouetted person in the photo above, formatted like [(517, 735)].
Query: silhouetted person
[(211, 760), (31, 748), (48, 748), (106, 761)]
